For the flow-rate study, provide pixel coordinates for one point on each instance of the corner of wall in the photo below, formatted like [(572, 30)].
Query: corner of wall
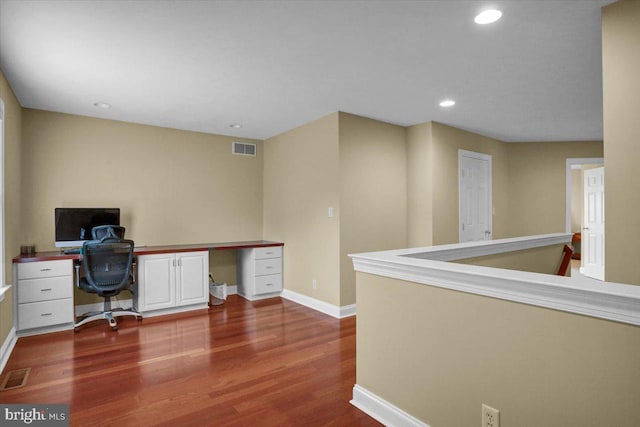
[(621, 68), (373, 197), (419, 185), (12, 195), (300, 183)]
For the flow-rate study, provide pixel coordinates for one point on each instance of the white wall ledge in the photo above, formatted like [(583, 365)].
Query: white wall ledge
[(428, 266)]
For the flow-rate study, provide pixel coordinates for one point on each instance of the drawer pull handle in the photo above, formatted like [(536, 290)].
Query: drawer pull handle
[(45, 290), (268, 284), (46, 314), (45, 269), (269, 267), (269, 253)]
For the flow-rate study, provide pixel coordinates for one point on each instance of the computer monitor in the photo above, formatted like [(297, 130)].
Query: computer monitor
[(73, 225)]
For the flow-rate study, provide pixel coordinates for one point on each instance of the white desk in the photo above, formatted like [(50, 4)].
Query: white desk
[(171, 278)]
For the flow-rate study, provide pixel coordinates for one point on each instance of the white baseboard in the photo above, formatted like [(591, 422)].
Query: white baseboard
[(45, 330), (7, 348), (321, 306), (381, 410), (347, 310), (175, 310), (261, 296)]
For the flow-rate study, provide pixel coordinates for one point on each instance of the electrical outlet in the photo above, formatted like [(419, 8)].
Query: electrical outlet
[(490, 416), (314, 284)]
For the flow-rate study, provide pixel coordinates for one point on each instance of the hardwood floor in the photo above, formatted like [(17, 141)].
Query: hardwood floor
[(262, 363)]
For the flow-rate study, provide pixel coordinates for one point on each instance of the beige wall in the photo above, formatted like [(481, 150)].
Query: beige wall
[(621, 86), (576, 200), (371, 173), (439, 355), (432, 182), (419, 186), (529, 183), (12, 196), (373, 192), (446, 142), (355, 165), (171, 186), (537, 184), (301, 181), (544, 367), (545, 260)]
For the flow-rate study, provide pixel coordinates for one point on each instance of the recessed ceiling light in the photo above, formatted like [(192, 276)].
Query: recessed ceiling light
[(235, 126), (488, 16), (101, 105), (448, 103)]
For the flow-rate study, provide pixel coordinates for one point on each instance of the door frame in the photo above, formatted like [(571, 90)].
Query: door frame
[(571, 163), (479, 156)]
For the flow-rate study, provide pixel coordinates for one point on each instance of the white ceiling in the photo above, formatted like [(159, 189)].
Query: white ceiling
[(535, 75)]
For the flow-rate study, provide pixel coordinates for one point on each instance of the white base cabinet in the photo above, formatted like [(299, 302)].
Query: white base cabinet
[(259, 272), (173, 280), (44, 294)]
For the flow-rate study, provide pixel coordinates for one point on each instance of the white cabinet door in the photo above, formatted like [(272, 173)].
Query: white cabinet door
[(192, 277), (156, 281)]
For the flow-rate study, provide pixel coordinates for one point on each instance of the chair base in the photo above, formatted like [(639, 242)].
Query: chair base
[(106, 315)]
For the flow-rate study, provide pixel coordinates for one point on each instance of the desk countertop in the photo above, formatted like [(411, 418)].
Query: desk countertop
[(147, 250)]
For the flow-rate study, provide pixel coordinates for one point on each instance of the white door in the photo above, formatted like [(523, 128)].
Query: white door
[(193, 277), (593, 224), (156, 281), (474, 192)]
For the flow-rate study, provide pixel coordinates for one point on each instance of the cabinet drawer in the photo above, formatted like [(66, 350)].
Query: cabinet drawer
[(45, 313), (269, 283), (268, 266), (34, 270), (32, 290), (269, 252)]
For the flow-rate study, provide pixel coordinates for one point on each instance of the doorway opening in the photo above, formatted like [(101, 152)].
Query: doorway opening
[(575, 204)]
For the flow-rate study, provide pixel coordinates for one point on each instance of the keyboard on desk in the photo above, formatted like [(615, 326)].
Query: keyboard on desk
[(72, 251)]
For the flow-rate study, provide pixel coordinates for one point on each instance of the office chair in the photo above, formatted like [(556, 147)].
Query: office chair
[(100, 232), (107, 265)]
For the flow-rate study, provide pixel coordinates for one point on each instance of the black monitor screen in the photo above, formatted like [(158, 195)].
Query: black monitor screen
[(74, 225)]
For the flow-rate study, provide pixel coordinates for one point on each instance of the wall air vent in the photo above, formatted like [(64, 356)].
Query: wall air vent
[(243, 148)]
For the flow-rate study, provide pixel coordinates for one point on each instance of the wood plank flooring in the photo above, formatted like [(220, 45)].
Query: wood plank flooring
[(261, 363)]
